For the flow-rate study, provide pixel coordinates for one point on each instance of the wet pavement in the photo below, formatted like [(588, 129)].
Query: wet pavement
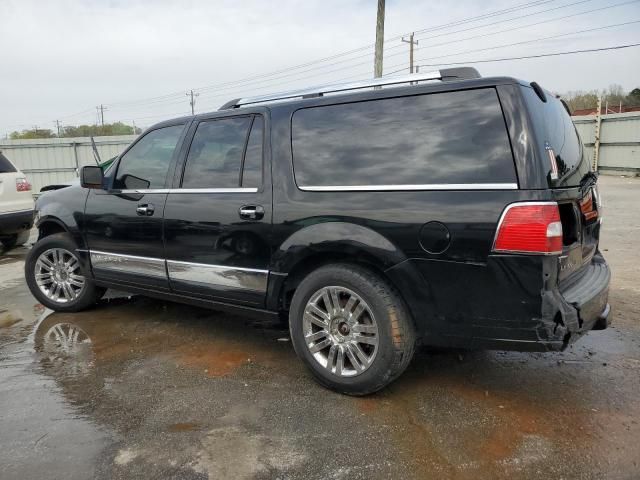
[(140, 388)]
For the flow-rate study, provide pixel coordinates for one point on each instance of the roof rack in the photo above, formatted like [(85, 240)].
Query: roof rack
[(447, 74)]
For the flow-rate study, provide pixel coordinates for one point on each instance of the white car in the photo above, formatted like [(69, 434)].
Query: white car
[(16, 205)]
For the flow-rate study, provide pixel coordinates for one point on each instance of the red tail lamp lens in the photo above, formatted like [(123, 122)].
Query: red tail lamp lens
[(530, 228)]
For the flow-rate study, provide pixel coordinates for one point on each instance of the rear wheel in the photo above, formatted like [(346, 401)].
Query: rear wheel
[(56, 277), (351, 328)]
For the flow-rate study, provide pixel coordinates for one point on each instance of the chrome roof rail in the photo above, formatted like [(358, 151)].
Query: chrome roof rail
[(446, 74)]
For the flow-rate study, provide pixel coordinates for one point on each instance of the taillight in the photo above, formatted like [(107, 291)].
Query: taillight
[(588, 207), (530, 227), (552, 162), (22, 185)]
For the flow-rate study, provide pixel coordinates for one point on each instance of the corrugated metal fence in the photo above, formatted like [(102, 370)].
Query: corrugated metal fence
[(619, 149), (54, 160)]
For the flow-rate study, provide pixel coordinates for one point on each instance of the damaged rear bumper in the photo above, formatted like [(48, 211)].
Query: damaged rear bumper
[(579, 304)]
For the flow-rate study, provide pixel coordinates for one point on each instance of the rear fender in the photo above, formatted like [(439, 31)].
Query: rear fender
[(335, 237)]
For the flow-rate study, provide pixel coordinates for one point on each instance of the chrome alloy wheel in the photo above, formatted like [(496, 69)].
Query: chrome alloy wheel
[(340, 331), (58, 275)]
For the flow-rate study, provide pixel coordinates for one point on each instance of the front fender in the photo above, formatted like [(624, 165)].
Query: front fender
[(335, 237), (65, 208)]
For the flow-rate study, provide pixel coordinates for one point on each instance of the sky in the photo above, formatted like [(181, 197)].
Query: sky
[(60, 58)]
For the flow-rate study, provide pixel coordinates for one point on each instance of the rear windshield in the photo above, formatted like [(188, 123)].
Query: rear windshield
[(554, 128), (5, 165), (440, 138)]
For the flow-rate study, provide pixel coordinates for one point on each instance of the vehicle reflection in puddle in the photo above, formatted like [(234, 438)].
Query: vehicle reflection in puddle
[(122, 330), (66, 348)]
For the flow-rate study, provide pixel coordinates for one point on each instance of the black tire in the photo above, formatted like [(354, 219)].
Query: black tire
[(89, 294), (9, 242), (396, 332), (15, 240)]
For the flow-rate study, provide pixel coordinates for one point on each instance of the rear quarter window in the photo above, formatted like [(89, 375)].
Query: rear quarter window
[(554, 127), (441, 138)]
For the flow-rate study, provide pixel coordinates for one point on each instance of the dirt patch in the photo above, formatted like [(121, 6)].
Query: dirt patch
[(183, 427), (213, 360)]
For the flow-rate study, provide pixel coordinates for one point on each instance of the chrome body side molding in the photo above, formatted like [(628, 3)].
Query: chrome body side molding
[(218, 275), (115, 262), (197, 273)]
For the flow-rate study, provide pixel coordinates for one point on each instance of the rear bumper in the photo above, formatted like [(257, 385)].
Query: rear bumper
[(15, 222), (511, 303), (585, 300)]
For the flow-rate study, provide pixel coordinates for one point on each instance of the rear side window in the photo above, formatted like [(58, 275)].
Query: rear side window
[(5, 165), (252, 174), (555, 128), (221, 150), (441, 138)]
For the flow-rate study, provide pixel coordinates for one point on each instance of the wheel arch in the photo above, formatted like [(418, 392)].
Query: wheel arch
[(49, 225), (326, 243)]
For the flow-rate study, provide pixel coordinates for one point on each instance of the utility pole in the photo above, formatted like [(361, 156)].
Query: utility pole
[(596, 140), (192, 102), (100, 110), (57, 122), (377, 62), (411, 43)]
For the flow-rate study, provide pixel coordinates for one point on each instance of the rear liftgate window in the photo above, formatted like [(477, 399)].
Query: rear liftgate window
[(439, 139)]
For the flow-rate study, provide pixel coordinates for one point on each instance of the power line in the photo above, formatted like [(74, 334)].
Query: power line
[(522, 6), (169, 99), (245, 82), (556, 54), (534, 40), (163, 100), (524, 57), (532, 24), (458, 53)]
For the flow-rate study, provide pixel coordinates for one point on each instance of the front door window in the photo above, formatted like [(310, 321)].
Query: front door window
[(146, 164)]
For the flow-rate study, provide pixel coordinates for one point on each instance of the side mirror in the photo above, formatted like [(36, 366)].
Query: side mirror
[(91, 177)]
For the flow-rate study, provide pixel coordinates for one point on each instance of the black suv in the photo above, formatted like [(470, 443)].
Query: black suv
[(444, 209)]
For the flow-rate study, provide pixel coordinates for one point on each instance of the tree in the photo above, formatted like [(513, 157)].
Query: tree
[(614, 96), (633, 99), (117, 128), (33, 133)]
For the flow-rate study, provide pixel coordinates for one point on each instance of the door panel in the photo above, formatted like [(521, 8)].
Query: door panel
[(123, 225), (217, 226), (123, 245)]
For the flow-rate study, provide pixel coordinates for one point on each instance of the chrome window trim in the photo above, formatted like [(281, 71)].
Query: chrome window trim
[(426, 187), (190, 190)]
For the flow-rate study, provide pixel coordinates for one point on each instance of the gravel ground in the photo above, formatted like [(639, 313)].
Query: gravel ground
[(161, 390)]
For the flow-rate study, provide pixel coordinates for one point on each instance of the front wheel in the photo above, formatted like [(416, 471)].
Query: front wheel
[(56, 277), (351, 328)]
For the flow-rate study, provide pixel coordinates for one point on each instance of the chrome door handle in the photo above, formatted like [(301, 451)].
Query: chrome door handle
[(251, 212), (145, 210)]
